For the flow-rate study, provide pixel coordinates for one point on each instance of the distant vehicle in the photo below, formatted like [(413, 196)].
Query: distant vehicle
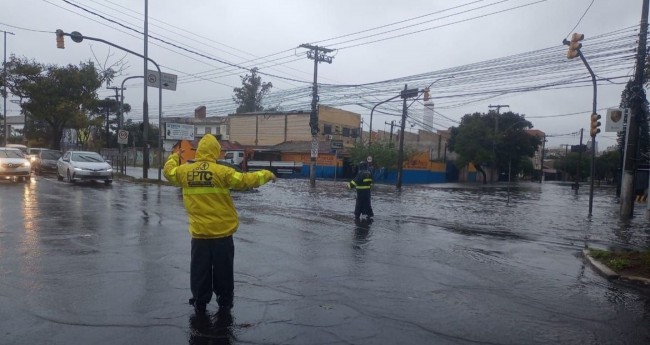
[(14, 165), (83, 165), (23, 148), (32, 152), (44, 161), (258, 159)]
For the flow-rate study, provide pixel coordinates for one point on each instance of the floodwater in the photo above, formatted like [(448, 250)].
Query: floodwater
[(439, 264)]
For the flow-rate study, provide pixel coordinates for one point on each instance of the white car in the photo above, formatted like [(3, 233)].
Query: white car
[(83, 165), (14, 165)]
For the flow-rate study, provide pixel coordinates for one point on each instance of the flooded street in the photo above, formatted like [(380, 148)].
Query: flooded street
[(439, 264)]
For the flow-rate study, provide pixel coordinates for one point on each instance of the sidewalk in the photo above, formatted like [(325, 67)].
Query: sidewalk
[(136, 172)]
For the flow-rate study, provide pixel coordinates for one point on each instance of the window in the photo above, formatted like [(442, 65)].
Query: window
[(208, 130), (354, 133), (327, 129), (346, 132)]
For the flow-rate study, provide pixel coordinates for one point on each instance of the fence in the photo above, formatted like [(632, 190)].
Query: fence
[(131, 157)]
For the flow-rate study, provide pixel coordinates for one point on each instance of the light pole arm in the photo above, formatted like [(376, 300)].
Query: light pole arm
[(372, 111), (78, 37), (121, 119)]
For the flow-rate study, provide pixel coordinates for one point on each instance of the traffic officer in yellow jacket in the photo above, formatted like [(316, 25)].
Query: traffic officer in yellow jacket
[(212, 219)]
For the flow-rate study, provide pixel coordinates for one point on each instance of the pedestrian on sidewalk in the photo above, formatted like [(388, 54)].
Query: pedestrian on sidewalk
[(213, 219), (362, 183)]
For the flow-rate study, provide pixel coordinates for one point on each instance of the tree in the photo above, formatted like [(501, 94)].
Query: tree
[(480, 141), (383, 154), (55, 97), (249, 97), (607, 165), (569, 164), (635, 98)]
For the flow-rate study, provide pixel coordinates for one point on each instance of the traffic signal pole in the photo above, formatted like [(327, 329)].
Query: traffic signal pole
[(594, 130), (574, 50)]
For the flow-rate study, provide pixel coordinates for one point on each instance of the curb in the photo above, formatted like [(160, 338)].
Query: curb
[(611, 275), (601, 268)]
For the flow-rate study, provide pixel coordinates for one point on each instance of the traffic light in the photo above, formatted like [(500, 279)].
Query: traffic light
[(426, 94), (575, 45), (594, 125), (60, 43)]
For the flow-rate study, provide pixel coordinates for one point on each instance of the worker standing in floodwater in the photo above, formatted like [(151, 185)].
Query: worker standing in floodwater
[(362, 183)]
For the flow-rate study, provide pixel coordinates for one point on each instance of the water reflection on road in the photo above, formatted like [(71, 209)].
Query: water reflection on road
[(443, 264)]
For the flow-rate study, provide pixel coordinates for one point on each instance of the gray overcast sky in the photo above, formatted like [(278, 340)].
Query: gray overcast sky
[(452, 34)]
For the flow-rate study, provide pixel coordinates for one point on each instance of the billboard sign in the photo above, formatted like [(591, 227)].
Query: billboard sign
[(178, 131)]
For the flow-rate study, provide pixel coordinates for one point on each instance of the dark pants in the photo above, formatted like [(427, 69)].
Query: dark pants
[(211, 270), (363, 204)]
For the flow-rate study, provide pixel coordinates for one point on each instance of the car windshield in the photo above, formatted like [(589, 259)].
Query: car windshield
[(54, 155), (86, 157), (11, 154)]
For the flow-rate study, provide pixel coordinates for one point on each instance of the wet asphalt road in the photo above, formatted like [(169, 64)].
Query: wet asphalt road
[(440, 264)]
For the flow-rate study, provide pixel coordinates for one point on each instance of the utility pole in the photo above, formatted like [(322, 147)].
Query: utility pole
[(145, 102), (541, 163), (317, 54), (119, 111), (4, 78), (630, 163), (400, 154), (390, 139), (494, 140), (566, 161), (361, 131)]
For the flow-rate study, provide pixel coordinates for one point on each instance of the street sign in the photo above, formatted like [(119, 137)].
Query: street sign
[(168, 80), (410, 93), (122, 137), (579, 148), (336, 144), (614, 120), (178, 131)]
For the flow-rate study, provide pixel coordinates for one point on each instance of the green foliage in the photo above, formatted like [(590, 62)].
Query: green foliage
[(634, 97), (607, 165), (570, 165), (53, 97), (496, 140), (249, 97), (135, 133), (384, 154)]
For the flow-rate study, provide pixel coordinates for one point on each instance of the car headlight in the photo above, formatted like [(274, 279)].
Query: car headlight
[(77, 169), (27, 164), (109, 169)]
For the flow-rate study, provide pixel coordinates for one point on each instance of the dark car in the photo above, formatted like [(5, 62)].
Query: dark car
[(44, 161)]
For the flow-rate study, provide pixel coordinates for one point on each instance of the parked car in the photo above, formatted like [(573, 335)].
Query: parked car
[(44, 160), (83, 165), (14, 165)]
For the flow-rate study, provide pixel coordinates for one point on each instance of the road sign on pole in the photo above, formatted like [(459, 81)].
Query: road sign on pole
[(168, 80), (122, 137)]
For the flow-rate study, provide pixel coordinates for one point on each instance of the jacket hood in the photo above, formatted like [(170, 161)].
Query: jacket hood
[(209, 149)]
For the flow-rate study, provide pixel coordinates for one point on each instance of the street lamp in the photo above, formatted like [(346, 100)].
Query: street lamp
[(425, 90), (78, 37)]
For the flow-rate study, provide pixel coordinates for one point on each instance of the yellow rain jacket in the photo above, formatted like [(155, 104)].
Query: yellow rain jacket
[(206, 189)]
